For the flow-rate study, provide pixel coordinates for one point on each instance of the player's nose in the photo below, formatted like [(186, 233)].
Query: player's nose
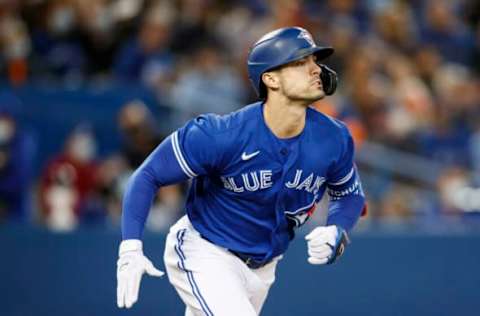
[(314, 66), (316, 70)]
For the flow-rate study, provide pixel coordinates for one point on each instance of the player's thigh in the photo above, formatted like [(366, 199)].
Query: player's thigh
[(219, 290), (261, 281), (188, 312), (206, 278)]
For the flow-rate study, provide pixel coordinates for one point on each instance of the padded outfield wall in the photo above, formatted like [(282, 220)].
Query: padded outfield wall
[(380, 274)]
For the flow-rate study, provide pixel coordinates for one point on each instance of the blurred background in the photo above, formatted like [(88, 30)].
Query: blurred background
[(89, 87)]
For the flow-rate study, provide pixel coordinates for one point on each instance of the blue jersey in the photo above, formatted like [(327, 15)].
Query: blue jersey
[(250, 189)]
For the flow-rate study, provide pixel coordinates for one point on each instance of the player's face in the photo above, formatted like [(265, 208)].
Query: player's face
[(300, 80)]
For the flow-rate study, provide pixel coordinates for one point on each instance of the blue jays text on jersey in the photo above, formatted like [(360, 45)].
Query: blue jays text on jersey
[(250, 189)]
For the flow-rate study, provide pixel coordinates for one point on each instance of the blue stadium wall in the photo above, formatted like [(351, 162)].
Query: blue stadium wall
[(380, 274)]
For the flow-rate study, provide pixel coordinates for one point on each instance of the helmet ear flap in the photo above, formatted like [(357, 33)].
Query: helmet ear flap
[(329, 79)]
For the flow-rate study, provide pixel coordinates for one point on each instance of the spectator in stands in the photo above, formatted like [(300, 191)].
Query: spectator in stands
[(112, 175), (69, 182), (457, 101), (17, 153), (139, 132), (99, 34), (16, 47), (192, 21), (427, 60), (442, 27), (367, 95), (397, 205), (411, 107), (147, 57), (140, 137), (58, 52), (207, 84), (450, 184), (395, 25)]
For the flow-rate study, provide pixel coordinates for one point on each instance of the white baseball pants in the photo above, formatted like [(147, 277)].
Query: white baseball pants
[(209, 279)]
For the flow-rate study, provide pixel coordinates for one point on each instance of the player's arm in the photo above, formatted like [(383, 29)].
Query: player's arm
[(347, 200), (161, 168), (181, 156)]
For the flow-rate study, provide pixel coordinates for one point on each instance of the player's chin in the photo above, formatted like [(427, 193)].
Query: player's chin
[(308, 96), (316, 95)]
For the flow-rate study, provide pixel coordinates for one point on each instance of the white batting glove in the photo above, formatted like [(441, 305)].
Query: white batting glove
[(131, 265), (326, 244)]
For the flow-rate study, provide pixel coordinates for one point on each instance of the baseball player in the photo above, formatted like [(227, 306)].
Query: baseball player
[(257, 175)]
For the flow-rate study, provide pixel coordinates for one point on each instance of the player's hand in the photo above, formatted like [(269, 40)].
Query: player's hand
[(325, 244), (131, 265)]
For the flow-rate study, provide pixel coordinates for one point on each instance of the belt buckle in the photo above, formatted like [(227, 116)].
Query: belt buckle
[(249, 261), (252, 264)]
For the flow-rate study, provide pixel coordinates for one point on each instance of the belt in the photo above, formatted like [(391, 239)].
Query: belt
[(246, 258), (249, 261)]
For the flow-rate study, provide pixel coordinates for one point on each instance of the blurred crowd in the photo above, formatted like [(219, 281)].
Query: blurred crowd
[(409, 84)]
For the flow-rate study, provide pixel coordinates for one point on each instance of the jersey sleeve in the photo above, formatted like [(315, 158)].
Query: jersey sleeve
[(344, 186), (186, 153), (195, 146), (342, 171)]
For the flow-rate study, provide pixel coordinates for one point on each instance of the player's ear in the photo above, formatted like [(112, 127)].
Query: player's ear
[(271, 80)]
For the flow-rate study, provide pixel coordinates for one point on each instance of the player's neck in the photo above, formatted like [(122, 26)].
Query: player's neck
[(284, 120)]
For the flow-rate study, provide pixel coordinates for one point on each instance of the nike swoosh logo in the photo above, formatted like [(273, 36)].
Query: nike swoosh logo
[(249, 156)]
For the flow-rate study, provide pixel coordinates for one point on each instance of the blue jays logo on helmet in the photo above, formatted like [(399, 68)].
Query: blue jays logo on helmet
[(306, 36), (278, 48)]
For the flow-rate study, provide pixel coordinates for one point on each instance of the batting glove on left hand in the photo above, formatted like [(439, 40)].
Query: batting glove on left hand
[(131, 265), (326, 244)]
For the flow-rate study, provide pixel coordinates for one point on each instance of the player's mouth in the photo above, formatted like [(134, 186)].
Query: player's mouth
[(317, 83)]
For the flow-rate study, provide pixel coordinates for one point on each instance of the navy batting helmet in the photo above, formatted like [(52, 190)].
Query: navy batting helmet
[(278, 48)]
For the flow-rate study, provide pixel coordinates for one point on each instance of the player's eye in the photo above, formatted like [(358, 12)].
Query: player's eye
[(300, 62)]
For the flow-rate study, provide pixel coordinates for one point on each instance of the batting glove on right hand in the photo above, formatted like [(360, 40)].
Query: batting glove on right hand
[(326, 244), (131, 265)]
